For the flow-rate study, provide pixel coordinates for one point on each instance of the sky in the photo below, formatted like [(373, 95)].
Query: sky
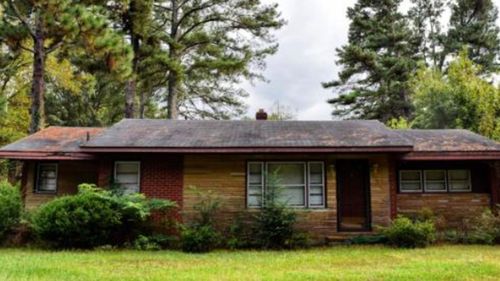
[(306, 57)]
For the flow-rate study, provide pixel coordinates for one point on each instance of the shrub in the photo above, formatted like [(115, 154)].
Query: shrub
[(10, 207), (93, 217), (201, 235), (406, 233), (483, 229), (274, 224), (153, 243)]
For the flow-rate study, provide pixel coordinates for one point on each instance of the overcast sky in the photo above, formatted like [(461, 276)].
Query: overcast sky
[(306, 57)]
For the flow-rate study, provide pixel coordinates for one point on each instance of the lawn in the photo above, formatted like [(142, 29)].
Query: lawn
[(335, 263)]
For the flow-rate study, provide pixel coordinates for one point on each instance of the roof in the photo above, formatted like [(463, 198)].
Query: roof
[(180, 135), (51, 143), (183, 136)]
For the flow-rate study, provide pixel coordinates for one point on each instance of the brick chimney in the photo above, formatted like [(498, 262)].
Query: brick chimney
[(261, 115)]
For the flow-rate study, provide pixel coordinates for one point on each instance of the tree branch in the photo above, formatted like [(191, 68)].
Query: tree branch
[(21, 18)]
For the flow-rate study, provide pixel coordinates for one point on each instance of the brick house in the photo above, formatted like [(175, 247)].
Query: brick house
[(343, 177)]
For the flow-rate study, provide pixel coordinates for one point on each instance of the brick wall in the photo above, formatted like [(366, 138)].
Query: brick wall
[(162, 177), (225, 175), (453, 207)]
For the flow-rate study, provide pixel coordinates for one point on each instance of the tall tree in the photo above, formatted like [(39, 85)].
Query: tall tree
[(377, 63), (459, 99), (425, 18), (473, 24), (42, 27), (211, 45)]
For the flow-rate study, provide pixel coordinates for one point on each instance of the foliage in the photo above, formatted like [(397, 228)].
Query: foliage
[(367, 240), (460, 99), (10, 207), (405, 233), (153, 242), (93, 217), (473, 24), (398, 123), (377, 62), (201, 235), (483, 229), (274, 226)]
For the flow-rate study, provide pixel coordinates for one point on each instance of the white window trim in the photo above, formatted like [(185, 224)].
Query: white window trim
[(445, 181), (309, 184), (261, 180), (138, 172), (410, 191), (469, 182), (37, 190), (304, 168)]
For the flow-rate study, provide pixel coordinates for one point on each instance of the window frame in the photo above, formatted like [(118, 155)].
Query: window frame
[(306, 168), (37, 183), (469, 180), (420, 182), (138, 172), (444, 178)]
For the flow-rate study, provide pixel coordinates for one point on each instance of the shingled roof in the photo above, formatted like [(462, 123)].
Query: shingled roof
[(51, 143), (178, 135)]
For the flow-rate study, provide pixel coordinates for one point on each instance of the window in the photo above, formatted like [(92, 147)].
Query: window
[(459, 180), (302, 183), (435, 180), (410, 181), (127, 175), (46, 181)]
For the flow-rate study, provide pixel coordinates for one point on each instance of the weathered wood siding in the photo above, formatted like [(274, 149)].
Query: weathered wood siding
[(70, 175)]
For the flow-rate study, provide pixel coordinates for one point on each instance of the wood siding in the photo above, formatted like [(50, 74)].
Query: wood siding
[(70, 175)]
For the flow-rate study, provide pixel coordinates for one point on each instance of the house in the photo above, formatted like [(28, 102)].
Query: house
[(341, 176)]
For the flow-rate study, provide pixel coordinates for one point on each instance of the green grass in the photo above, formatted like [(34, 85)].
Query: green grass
[(335, 263)]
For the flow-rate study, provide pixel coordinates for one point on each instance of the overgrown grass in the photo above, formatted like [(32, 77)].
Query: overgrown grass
[(336, 263)]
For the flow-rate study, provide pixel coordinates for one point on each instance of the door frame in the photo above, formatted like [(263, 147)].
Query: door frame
[(367, 189)]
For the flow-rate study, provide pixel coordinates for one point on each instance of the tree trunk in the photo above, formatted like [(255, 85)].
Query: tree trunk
[(37, 111), (129, 98), (172, 96)]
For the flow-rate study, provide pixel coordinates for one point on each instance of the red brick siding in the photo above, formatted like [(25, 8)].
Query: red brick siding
[(163, 178), (105, 173)]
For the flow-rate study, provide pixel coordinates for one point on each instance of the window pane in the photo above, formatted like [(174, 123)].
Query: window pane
[(316, 200), (127, 168), (316, 173), (435, 175), (458, 174), (47, 177), (292, 196), (288, 173), (127, 178), (254, 200), (459, 185), (410, 175), (255, 173), (410, 186), (435, 186), (255, 190), (130, 188), (316, 189)]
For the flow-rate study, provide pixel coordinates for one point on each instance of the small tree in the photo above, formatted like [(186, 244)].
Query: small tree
[(10, 207)]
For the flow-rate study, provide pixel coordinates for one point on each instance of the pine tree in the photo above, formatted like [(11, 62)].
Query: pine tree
[(377, 63), (42, 27), (211, 46), (425, 17), (473, 24)]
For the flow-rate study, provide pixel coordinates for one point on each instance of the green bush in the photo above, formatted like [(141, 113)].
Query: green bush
[(199, 238), (406, 233), (483, 229), (10, 207), (153, 243), (93, 217), (201, 235), (274, 226)]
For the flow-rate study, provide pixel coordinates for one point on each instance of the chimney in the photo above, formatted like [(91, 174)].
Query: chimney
[(261, 115)]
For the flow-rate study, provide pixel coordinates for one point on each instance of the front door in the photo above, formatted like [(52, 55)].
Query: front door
[(353, 193)]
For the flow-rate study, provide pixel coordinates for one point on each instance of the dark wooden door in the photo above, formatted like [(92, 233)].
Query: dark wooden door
[(353, 193)]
